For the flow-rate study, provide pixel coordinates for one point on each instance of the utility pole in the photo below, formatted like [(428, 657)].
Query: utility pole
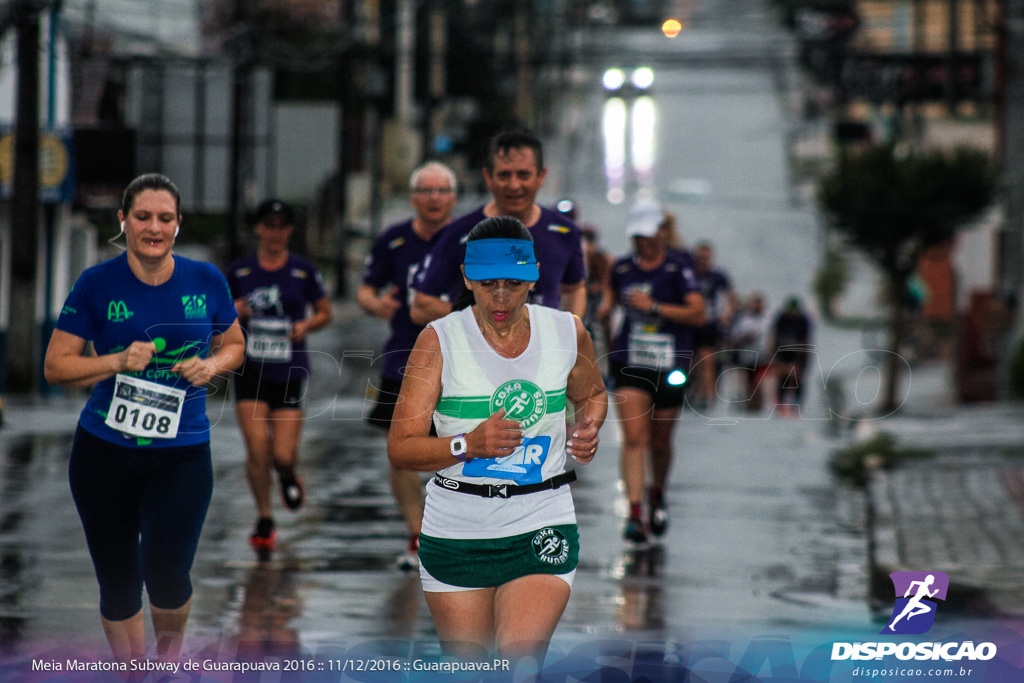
[(241, 107), (1013, 149), (23, 346), (1009, 123)]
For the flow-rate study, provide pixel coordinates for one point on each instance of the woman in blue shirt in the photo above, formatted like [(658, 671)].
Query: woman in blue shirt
[(162, 327)]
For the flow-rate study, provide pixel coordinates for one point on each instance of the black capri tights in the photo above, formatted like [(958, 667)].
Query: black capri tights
[(142, 511)]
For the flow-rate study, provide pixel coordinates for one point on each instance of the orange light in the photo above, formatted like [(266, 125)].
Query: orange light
[(671, 28)]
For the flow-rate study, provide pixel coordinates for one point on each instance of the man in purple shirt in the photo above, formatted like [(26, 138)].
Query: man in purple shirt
[(390, 268), (514, 173)]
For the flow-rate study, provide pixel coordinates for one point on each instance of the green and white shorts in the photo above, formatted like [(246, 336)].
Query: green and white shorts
[(451, 565)]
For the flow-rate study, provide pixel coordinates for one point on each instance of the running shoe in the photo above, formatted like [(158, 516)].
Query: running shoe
[(658, 519), (410, 559), (264, 536), (293, 493), (634, 531)]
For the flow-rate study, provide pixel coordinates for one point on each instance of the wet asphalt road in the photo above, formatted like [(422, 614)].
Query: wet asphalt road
[(763, 546), (756, 544)]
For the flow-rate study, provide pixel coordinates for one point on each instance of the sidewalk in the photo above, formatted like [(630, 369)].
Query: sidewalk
[(961, 511)]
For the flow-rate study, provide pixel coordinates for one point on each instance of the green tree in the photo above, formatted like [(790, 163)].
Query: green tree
[(895, 206)]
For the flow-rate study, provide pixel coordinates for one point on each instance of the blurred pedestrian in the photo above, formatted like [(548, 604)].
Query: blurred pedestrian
[(162, 326), (514, 173), (385, 293), (750, 336), (650, 357), (719, 306), (791, 332), (598, 266), (668, 232), (280, 299), (499, 547)]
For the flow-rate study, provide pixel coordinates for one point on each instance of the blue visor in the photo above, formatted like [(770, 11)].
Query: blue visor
[(497, 259)]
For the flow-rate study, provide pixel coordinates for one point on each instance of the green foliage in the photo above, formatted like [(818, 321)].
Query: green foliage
[(895, 207), (880, 452), (830, 281)]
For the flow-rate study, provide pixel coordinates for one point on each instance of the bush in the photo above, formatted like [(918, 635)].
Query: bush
[(880, 452), (830, 282)]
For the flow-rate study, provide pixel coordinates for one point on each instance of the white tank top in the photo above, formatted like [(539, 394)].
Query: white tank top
[(475, 383)]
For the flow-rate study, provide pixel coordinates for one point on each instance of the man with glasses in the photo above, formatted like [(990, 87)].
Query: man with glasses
[(514, 173), (390, 269)]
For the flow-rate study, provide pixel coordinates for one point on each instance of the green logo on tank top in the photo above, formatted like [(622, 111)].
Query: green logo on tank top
[(550, 546), (523, 401)]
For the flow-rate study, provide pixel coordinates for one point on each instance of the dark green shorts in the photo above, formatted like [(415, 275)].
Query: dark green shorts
[(490, 562)]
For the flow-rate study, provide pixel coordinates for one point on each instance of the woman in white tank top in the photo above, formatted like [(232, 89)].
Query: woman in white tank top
[(499, 545)]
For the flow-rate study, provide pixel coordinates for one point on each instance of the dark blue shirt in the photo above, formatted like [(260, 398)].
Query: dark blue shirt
[(394, 260), (283, 294), (669, 283), (112, 308), (556, 243)]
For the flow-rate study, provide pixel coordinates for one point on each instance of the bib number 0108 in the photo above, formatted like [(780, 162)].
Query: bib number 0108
[(145, 409)]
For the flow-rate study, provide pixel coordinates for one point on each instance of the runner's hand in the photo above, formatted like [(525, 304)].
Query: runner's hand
[(495, 437), (388, 304), (581, 441), (196, 371), (137, 356), (298, 332), (638, 300)]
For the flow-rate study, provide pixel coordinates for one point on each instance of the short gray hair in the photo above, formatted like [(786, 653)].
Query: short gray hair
[(433, 166)]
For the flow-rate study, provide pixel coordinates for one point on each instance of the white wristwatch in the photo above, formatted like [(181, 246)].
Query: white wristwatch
[(459, 447)]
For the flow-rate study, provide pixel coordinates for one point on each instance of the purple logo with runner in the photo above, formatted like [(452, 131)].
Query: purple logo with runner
[(916, 595)]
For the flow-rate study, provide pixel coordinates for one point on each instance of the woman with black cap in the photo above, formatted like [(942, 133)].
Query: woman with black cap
[(273, 291), (499, 545)]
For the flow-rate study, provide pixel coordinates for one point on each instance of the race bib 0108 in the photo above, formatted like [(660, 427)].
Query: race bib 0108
[(145, 409)]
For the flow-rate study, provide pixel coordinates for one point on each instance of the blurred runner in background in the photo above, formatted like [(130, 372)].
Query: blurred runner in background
[(385, 293)]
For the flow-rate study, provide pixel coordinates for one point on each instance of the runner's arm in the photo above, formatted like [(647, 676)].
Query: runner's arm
[(426, 308), (65, 364), (574, 298), (410, 446), (382, 307), (227, 351), (320, 318), (586, 390), (690, 312)]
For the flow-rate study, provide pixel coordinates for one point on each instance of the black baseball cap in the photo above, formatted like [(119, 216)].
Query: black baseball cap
[(274, 207)]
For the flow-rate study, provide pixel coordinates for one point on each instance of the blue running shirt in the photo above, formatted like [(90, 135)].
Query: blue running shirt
[(112, 308)]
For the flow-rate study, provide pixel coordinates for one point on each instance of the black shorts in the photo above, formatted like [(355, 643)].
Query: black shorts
[(707, 336), (250, 386), (384, 409), (651, 381)]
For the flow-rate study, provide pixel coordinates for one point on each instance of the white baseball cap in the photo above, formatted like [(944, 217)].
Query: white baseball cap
[(645, 216)]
